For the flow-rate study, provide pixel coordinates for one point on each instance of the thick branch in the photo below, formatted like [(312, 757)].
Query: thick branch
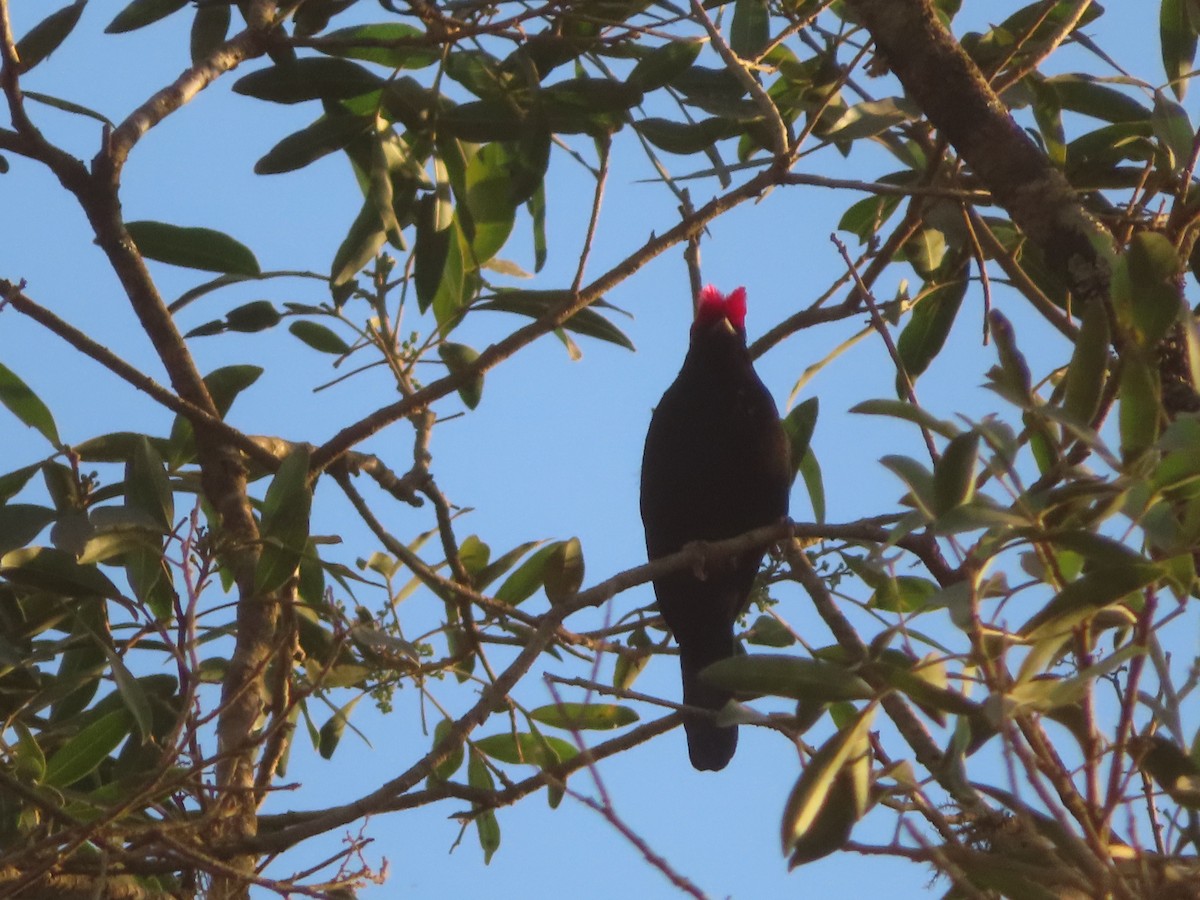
[(960, 103)]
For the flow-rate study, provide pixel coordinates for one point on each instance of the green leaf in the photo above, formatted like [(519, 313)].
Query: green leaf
[(410, 47), (921, 681), (68, 106), (917, 478), (192, 248), (630, 664), (903, 593), (209, 28), (147, 488), (83, 753), (842, 806), (781, 675), (23, 403), (133, 695), (662, 64), (331, 732), (799, 424), (451, 294), (1178, 39), (526, 748), (684, 138), (319, 337), (1047, 112), (366, 235), (55, 571), (309, 78), (529, 576), (324, 136), (954, 474), (803, 812), (925, 334), (865, 217), (482, 121), (563, 573), (490, 200), (20, 523), (257, 315), (584, 716), (284, 526), (150, 580), (926, 251), (1151, 299), (458, 359), (1173, 129), (141, 13), (12, 482), (750, 31), (1081, 93), (870, 118), (224, 384), (479, 777), (444, 770), (594, 106), (27, 757), (1087, 595), (493, 570), (810, 471), (1089, 365), (536, 304), (537, 216), (902, 409), (767, 631), (45, 37), (434, 218), (1141, 405)]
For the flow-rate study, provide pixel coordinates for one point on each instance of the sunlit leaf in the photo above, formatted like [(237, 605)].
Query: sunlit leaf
[(563, 572), (529, 749), (787, 676), (584, 716)]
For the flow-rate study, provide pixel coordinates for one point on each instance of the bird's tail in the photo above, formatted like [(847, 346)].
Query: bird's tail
[(710, 746)]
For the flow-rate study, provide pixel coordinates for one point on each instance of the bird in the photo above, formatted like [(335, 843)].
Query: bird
[(715, 465)]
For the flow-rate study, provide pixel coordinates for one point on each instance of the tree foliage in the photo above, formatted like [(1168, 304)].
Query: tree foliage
[(173, 625)]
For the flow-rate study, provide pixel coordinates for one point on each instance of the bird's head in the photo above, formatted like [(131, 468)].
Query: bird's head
[(717, 312)]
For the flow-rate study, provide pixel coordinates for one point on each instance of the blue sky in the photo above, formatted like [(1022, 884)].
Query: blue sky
[(552, 451)]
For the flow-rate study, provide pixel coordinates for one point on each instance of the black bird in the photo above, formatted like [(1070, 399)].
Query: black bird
[(715, 465)]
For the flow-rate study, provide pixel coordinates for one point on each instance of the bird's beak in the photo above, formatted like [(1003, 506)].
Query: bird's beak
[(729, 326)]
